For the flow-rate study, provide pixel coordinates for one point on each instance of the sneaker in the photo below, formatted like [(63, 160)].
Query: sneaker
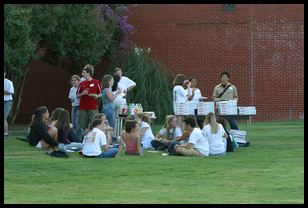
[(6, 134)]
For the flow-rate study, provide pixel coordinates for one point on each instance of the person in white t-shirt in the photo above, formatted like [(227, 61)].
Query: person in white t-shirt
[(125, 84), (196, 97), (180, 95), (8, 98), (170, 132), (146, 133), (194, 91), (197, 144), (215, 134), (95, 142), (75, 79)]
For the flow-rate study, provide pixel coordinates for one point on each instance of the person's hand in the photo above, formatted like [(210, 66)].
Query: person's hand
[(157, 139), (188, 84), (85, 92), (95, 96), (118, 92)]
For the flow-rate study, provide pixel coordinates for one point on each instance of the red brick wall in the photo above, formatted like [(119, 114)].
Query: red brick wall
[(262, 46), (49, 86)]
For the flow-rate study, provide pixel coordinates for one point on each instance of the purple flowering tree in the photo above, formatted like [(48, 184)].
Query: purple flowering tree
[(114, 16)]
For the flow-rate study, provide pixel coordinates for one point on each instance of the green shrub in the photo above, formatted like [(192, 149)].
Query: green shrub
[(153, 81)]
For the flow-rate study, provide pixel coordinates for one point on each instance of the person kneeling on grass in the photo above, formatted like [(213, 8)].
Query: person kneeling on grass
[(131, 138), (95, 141), (197, 144)]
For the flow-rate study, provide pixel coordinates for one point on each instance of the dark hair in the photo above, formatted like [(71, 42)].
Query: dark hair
[(105, 80), (95, 123), (89, 69), (130, 124), (55, 114), (116, 79), (191, 120), (38, 115), (191, 78), (117, 69), (222, 121), (63, 120), (226, 73), (179, 79)]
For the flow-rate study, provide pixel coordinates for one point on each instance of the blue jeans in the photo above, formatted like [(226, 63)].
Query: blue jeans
[(74, 117), (232, 123), (111, 152), (109, 112), (219, 154), (171, 147)]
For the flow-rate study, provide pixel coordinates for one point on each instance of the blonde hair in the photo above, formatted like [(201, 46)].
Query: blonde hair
[(144, 117), (168, 121), (75, 77), (210, 119)]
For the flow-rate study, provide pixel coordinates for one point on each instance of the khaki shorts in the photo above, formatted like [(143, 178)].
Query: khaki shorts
[(7, 108), (189, 152), (85, 117)]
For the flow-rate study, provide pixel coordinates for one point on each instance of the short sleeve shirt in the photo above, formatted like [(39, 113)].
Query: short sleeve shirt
[(87, 102)]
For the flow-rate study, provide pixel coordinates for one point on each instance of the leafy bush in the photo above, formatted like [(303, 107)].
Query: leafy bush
[(153, 81)]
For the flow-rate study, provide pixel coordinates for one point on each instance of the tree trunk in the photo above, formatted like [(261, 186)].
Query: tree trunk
[(16, 110)]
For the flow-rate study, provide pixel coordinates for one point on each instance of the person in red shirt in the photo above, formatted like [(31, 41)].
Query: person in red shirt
[(88, 91)]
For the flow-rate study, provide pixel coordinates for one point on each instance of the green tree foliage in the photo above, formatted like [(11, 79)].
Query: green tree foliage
[(19, 47), (68, 35), (153, 81)]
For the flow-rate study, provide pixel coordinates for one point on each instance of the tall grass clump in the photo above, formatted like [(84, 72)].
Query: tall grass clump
[(153, 81)]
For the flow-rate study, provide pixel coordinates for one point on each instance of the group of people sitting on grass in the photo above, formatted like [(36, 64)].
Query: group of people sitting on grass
[(57, 133)]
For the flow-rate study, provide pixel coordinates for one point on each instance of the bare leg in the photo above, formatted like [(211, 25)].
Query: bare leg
[(109, 137), (187, 152), (53, 132)]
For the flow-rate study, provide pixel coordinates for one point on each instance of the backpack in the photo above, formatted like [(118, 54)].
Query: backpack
[(58, 153)]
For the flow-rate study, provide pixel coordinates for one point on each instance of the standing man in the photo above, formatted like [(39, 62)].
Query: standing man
[(8, 98), (126, 83), (88, 91), (226, 91)]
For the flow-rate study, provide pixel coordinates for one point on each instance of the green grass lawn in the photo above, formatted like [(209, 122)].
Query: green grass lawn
[(271, 170)]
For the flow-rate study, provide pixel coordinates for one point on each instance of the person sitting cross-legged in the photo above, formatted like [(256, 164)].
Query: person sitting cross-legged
[(95, 142), (170, 131), (197, 144), (131, 138)]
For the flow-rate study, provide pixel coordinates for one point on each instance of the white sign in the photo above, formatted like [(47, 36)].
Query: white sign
[(203, 108)]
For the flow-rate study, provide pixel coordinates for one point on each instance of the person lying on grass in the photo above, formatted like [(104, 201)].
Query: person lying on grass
[(131, 138), (197, 144)]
